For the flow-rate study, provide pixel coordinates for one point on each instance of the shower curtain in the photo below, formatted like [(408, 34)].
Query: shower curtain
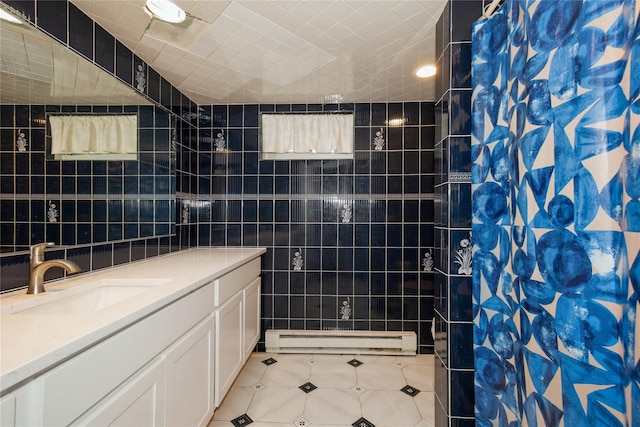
[(556, 214)]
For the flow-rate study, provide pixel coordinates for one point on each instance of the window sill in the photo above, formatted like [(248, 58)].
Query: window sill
[(305, 156)]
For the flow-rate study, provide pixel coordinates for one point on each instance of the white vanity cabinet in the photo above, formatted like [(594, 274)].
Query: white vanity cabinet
[(171, 366), (236, 303)]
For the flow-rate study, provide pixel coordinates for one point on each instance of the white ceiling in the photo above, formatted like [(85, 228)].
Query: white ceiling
[(271, 51)]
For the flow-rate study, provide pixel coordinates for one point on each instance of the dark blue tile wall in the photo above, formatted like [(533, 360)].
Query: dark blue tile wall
[(106, 213), (452, 223), (372, 262)]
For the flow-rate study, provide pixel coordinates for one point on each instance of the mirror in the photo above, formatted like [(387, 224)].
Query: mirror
[(36, 69), (75, 202)]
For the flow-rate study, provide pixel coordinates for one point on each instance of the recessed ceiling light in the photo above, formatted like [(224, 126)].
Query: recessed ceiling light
[(6, 16), (165, 10), (426, 71)]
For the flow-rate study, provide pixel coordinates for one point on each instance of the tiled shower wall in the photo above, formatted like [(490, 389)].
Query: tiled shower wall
[(349, 242), (108, 213), (453, 240)]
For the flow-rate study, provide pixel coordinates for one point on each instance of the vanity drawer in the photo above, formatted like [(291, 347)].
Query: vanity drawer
[(233, 282)]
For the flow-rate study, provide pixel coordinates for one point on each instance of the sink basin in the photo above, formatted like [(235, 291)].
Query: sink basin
[(100, 295)]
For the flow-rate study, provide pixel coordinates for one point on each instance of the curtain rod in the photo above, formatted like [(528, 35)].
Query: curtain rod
[(491, 8)]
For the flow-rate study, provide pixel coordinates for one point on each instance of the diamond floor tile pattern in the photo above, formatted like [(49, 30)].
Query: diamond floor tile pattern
[(290, 390)]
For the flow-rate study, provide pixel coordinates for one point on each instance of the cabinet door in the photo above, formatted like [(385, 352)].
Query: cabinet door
[(251, 317), (229, 345), (190, 373), (138, 402), (8, 410)]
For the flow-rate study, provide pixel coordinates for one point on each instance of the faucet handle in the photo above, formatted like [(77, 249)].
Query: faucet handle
[(37, 252)]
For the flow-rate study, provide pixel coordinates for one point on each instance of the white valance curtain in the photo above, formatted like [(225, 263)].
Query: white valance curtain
[(307, 133), (94, 134)]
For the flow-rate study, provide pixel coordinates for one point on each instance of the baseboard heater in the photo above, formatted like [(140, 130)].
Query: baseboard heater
[(341, 342)]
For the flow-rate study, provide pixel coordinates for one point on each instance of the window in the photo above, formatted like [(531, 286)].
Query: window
[(94, 136), (307, 136)]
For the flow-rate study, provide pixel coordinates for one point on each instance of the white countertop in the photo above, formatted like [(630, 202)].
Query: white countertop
[(31, 343)]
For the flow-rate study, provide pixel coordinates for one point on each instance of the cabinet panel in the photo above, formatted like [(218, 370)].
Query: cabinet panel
[(229, 345), (139, 402), (251, 317), (8, 410), (190, 374)]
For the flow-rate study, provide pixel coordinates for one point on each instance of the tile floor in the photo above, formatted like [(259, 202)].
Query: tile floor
[(284, 390)]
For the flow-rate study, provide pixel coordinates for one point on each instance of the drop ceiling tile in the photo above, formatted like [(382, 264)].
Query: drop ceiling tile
[(290, 22), (293, 49), (269, 9), (237, 12), (339, 9), (305, 10), (372, 10), (226, 24)]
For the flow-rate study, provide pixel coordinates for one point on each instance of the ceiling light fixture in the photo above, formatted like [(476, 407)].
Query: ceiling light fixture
[(396, 122), (426, 71), (165, 10), (6, 16)]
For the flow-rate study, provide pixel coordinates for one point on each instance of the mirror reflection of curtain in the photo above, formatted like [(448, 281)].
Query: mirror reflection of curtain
[(87, 134), (556, 214)]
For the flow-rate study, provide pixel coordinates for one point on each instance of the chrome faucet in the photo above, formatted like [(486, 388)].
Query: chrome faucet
[(39, 267)]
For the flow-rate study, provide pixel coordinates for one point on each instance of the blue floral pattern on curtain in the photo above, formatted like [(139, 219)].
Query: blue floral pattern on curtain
[(556, 214)]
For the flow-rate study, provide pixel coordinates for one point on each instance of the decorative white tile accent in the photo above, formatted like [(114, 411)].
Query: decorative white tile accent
[(219, 143), (464, 256), (21, 141), (141, 77), (297, 260), (185, 212), (427, 261), (345, 310), (378, 140), (52, 212), (346, 214)]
